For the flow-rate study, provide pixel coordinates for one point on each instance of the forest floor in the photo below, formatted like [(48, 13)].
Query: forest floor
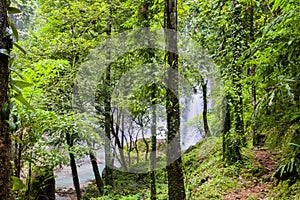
[(259, 186), (206, 177), (69, 193)]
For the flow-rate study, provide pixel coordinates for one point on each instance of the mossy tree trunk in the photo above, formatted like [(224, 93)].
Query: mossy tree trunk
[(5, 138), (107, 105), (174, 163)]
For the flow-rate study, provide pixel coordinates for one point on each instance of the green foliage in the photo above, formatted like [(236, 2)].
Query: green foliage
[(252, 43), (17, 184), (286, 191), (91, 192)]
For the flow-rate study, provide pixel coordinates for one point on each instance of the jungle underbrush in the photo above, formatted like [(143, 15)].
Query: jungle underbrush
[(206, 177)]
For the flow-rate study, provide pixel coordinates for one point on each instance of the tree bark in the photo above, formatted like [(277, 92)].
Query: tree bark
[(98, 178), (253, 86), (107, 105), (176, 188), (5, 138), (147, 146), (115, 134), (226, 126), (73, 166), (153, 147), (238, 113), (205, 121)]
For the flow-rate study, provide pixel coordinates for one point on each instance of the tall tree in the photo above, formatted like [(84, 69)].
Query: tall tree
[(5, 139), (174, 163), (153, 146), (107, 104), (147, 15), (253, 84)]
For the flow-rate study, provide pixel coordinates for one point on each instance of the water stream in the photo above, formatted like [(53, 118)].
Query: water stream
[(85, 172)]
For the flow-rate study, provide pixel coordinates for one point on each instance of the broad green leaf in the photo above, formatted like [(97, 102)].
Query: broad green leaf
[(14, 29), (13, 10), (21, 84), (20, 98)]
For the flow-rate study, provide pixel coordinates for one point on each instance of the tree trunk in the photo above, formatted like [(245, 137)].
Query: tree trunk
[(5, 139), (98, 178), (147, 146), (226, 126), (174, 163), (115, 134), (153, 147), (253, 87), (107, 105), (73, 166), (137, 149), (238, 113), (205, 121)]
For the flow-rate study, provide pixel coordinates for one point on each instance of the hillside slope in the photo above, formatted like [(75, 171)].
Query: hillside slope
[(206, 177)]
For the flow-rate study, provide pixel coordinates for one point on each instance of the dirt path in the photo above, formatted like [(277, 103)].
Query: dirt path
[(256, 187)]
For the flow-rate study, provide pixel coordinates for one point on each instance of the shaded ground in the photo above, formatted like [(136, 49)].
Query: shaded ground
[(68, 193), (257, 187)]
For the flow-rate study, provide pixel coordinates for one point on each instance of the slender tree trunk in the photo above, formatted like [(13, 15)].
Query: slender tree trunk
[(205, 121), (147, 146), (137, 149), (115, 134), (176, 188), (153, 147), (107, 105), (254, 127), (73, 166), (146, 23), (5, 139), (131, 147), (237, 75), (253, 86), (98, 178)]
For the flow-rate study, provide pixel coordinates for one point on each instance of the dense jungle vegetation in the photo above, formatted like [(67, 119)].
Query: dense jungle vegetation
[(136, 80)]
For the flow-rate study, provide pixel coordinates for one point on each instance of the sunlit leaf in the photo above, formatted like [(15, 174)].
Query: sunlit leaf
[(21, 84), (21, 99)]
